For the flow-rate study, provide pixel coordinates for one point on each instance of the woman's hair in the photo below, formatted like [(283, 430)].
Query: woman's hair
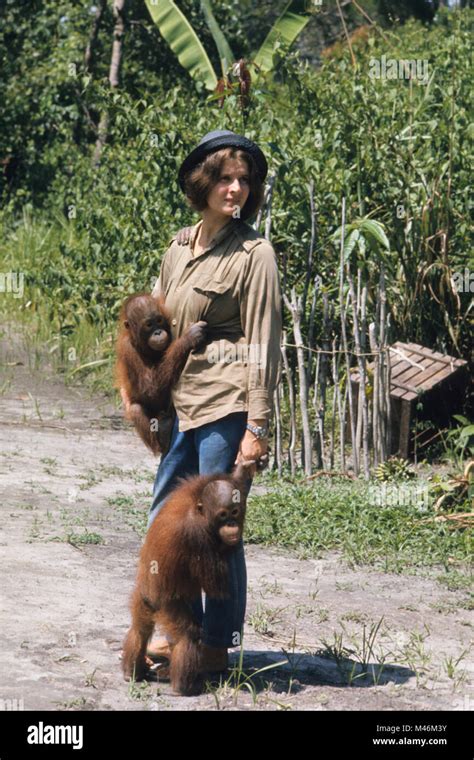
[(199, 182)]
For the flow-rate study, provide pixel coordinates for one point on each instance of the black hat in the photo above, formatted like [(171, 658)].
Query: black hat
[(222, 138)]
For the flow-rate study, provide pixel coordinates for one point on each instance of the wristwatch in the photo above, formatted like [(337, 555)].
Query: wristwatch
[(260, 432)]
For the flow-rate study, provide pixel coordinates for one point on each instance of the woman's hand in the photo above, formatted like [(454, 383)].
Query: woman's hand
[(250, 448), (126, 402)]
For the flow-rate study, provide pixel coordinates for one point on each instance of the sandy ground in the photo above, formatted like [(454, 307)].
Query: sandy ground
[(76, 483)]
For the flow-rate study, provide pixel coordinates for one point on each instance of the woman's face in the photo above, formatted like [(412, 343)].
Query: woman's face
[(232, 189)]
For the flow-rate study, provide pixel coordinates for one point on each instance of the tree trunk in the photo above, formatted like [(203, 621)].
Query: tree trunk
[(291, 398), (321, 385), (277, 461), (91, 45), (294, 308), (345, 345), (114, 74), (363, 415)]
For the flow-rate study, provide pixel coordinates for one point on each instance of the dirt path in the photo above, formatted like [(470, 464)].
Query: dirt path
[(76, 485)]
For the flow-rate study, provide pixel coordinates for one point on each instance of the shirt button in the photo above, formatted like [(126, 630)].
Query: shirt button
[(173, 321)]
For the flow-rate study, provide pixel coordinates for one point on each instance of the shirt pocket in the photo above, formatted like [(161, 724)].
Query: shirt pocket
[(213, 299), (211, 286)]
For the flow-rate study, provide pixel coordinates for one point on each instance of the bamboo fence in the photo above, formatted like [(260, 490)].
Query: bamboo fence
[(323, 421)]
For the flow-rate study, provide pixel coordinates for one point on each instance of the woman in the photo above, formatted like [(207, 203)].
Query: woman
[(225, 274)]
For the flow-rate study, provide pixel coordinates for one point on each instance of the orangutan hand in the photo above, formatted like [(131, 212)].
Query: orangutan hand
[(184, 235)]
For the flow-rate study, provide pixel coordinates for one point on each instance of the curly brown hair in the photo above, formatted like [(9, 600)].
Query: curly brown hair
[(199, 182)]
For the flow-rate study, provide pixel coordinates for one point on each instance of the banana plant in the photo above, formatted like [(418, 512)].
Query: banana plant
[(225, 53), (184, 42), (287, 26)]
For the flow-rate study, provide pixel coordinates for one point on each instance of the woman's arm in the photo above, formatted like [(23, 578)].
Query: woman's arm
[(253, 448), (261, 318)]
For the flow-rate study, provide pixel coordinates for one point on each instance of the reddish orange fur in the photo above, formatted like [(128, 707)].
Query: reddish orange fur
[(183, 544), (148, 377)]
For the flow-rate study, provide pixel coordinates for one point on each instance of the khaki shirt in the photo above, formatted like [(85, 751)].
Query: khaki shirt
[(234, 286)]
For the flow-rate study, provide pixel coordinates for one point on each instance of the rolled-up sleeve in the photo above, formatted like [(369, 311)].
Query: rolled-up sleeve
[(261, 318)]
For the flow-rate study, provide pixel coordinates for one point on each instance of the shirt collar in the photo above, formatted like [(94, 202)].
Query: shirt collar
[(226, 230)]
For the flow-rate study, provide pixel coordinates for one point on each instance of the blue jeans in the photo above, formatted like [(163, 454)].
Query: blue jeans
[(207, 450)]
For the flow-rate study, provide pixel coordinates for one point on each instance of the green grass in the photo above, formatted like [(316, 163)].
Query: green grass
[(133, 512), (335, 514), (78, 539)]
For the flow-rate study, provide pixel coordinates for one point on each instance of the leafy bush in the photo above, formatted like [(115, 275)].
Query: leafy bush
[(384, 144)]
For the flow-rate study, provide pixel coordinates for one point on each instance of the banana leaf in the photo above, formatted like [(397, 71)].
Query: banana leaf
[(289, 25), (225, 53), (183, 40)]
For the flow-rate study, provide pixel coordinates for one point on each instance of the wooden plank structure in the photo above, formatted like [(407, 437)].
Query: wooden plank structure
[(417, 372)]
